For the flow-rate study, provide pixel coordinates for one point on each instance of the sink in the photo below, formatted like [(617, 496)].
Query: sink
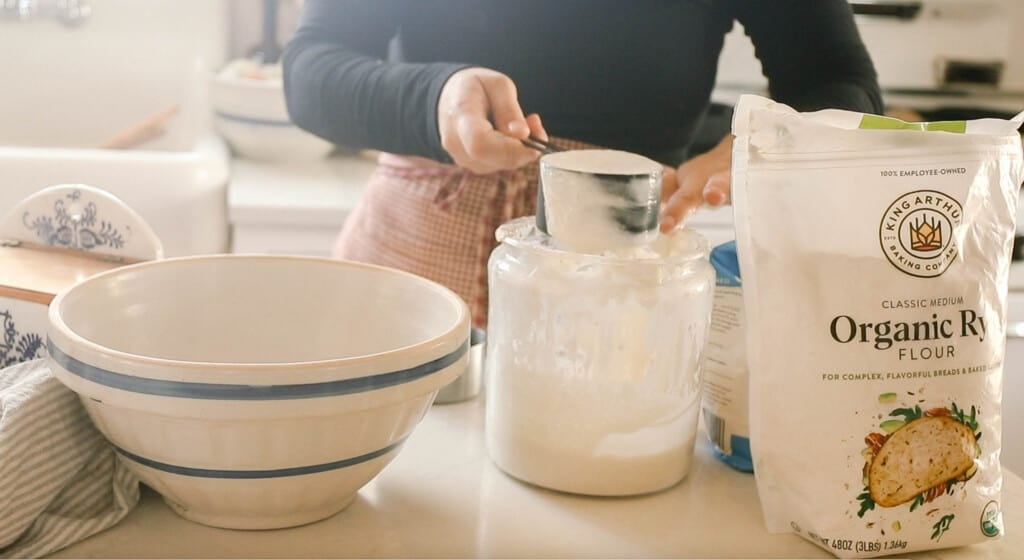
[(68, 90)]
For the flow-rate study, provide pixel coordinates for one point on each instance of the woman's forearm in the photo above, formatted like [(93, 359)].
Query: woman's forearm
[(339, 86)]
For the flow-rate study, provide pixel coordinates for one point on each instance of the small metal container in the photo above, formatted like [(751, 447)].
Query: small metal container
[(467, 385)]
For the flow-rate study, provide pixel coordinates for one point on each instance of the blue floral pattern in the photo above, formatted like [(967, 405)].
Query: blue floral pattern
[(14, 346), (74, 226)]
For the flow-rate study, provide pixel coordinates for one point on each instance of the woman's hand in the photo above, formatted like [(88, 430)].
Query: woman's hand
[(701, 180), (481, 122)]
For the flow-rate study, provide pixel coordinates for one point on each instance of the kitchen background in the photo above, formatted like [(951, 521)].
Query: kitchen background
[(122, 94)]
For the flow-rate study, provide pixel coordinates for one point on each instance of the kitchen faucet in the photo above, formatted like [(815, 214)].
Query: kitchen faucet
[(71, 13)]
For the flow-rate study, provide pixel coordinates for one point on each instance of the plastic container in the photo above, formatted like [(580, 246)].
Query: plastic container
[(594, 361), (726, 377)]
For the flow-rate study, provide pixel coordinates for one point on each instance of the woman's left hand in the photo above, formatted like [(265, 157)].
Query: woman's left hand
[(705, 179)]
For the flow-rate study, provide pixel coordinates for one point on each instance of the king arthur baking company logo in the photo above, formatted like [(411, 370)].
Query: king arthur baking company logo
[(916, 232)]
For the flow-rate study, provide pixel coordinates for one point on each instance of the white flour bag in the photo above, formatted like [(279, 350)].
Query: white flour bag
[(875, 256)]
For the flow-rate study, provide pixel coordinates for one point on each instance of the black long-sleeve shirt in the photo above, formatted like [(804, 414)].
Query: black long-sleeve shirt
[(634, 75)]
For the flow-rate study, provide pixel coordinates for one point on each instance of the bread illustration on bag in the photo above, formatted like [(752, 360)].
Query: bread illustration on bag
[(922, 457)]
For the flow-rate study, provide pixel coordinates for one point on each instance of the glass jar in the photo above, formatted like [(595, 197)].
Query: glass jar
[(594, 361)]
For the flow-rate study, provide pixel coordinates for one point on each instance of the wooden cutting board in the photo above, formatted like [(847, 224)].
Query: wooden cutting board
[(37, 274)]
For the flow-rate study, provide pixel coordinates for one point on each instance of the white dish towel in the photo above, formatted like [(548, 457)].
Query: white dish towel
[(60, 480)]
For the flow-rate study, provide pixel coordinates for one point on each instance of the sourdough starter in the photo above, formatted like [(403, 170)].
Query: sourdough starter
[(594, 361)]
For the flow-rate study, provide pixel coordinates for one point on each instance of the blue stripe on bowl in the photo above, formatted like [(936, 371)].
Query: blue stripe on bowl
[(252, 120), (255, 474), (233, 392)]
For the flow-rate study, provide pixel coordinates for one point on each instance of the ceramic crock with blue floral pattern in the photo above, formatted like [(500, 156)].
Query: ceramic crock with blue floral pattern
[(52, 240)]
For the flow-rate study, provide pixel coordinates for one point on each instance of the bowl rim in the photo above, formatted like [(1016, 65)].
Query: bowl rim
[(241, 82), (55, 320)]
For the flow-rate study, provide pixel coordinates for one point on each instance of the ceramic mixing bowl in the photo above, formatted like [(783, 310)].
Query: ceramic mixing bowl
[(257, 392), (251, 113)]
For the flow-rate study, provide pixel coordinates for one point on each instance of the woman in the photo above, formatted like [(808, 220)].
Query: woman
[(447, 88)]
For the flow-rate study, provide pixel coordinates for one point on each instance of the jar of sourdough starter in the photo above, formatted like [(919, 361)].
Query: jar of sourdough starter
[(594, 357)]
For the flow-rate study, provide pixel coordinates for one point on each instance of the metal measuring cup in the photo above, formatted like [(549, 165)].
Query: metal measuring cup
[(598, 200)]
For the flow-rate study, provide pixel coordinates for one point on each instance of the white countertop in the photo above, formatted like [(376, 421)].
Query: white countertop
[(442, 497), (294, 207), (319, 192)]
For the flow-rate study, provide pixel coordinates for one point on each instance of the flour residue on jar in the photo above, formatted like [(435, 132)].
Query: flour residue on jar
[(594, 361)]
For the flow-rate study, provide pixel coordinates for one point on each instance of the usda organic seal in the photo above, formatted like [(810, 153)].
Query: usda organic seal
[(991, 520)]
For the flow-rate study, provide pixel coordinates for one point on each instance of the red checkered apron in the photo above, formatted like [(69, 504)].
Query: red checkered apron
[(437, 221)]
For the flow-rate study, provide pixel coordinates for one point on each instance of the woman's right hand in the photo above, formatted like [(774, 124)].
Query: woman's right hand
[(481, 122)]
